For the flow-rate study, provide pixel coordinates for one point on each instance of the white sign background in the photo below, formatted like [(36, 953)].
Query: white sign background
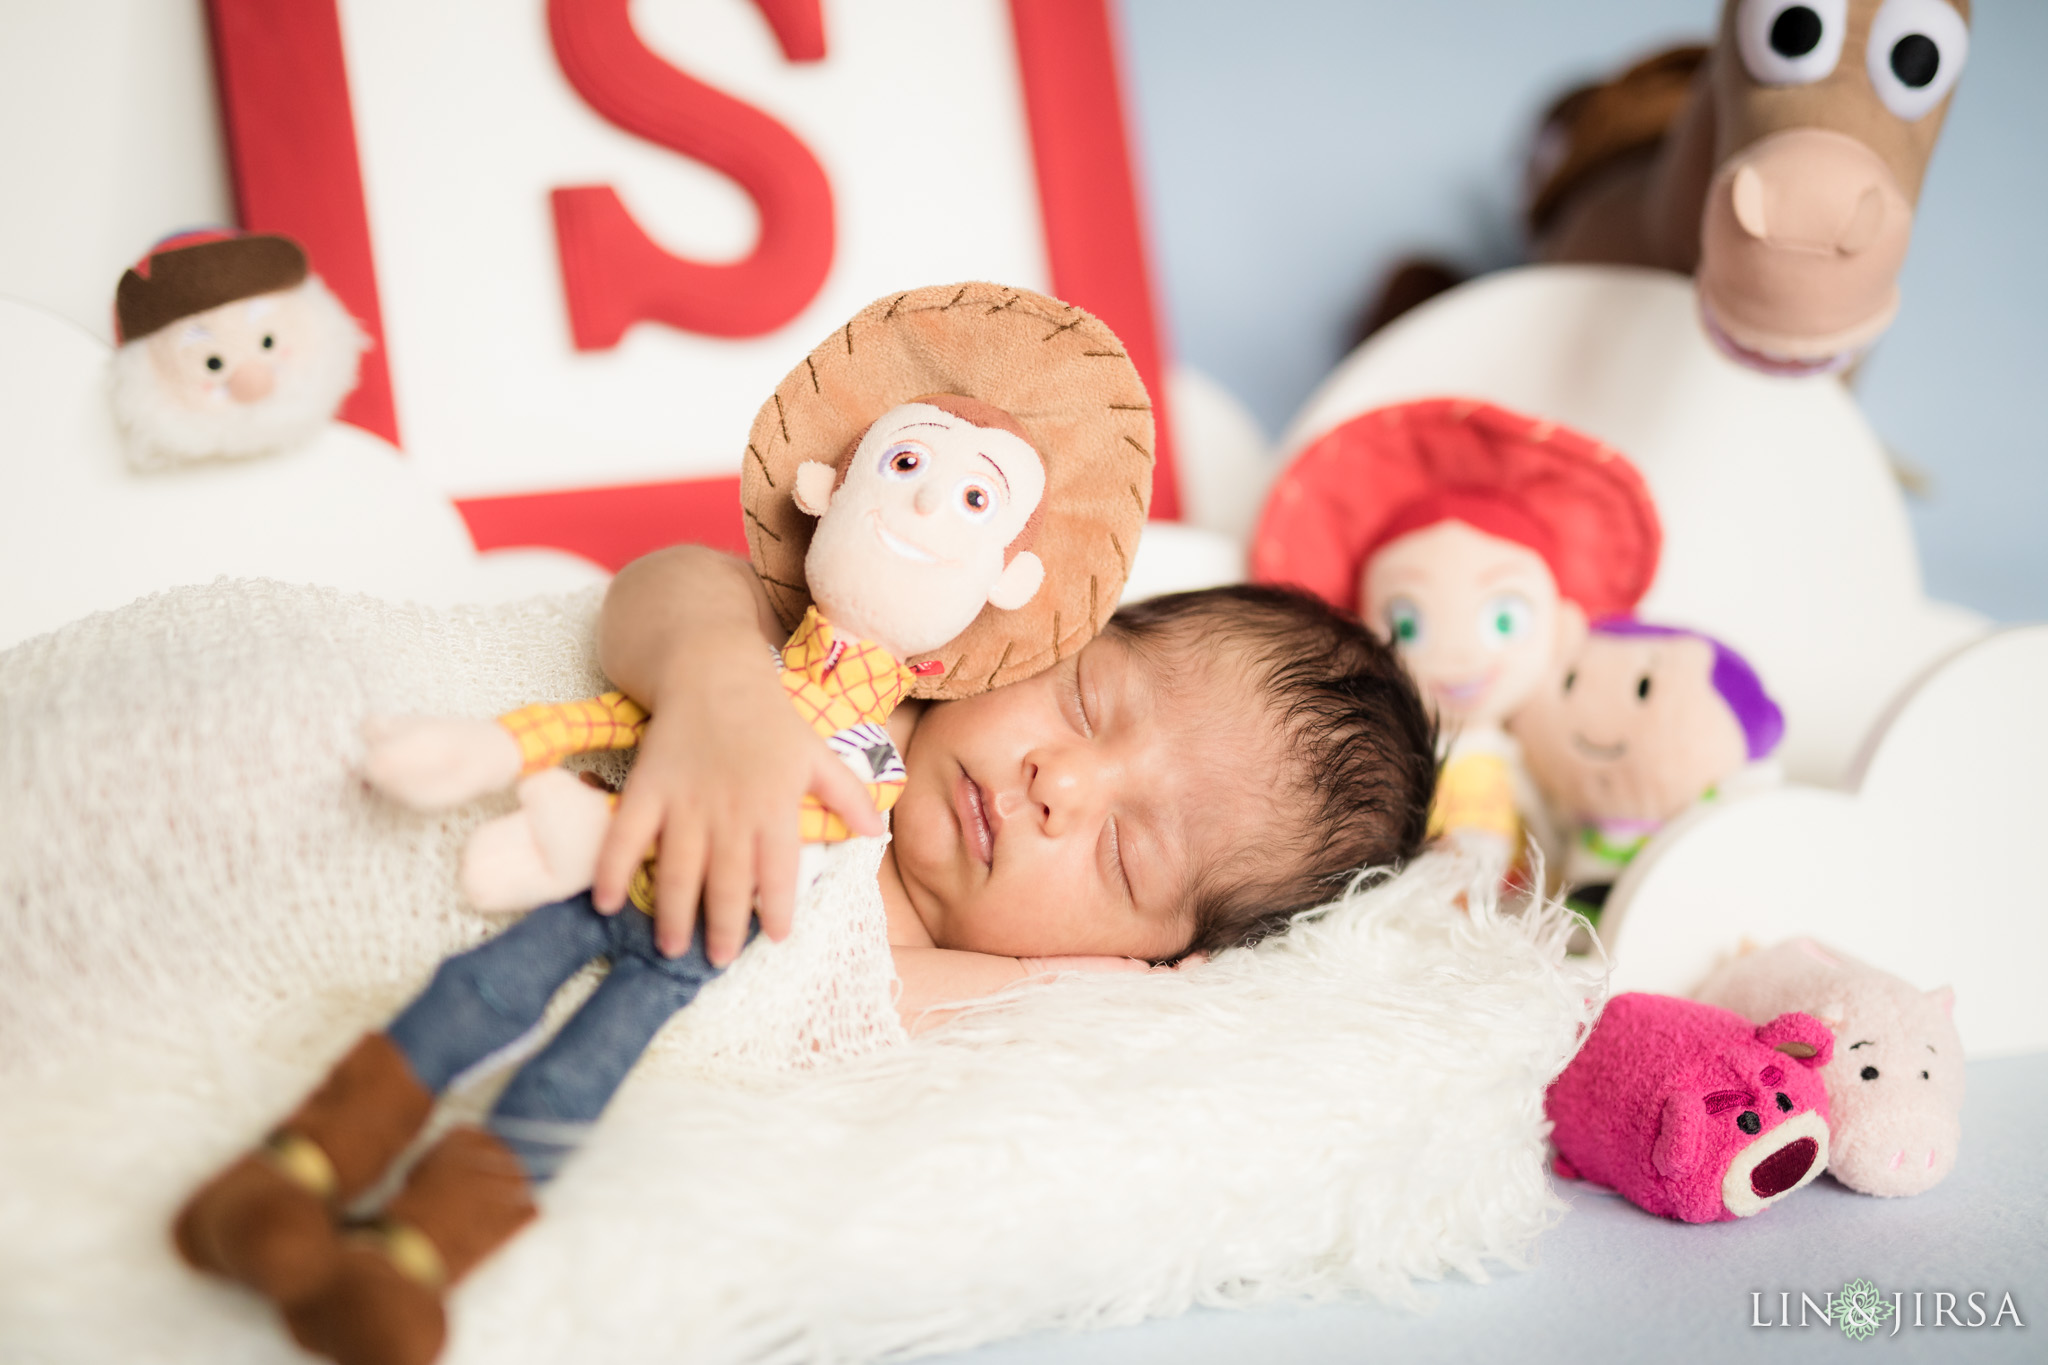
[(465, 123)]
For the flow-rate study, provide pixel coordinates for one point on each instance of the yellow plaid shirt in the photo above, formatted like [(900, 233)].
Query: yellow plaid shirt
[(845, 687)]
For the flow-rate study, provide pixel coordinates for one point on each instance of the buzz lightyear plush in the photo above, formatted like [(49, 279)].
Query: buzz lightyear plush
[(1630, 730), (941, 498)]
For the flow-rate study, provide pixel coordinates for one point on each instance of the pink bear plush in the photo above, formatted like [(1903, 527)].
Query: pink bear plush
[(1692, 1112)]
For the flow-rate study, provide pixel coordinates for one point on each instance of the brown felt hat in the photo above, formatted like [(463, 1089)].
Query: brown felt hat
[(1066, 380), (195, 271)]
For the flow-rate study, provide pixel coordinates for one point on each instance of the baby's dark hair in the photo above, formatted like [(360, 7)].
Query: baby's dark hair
[(1360, 744)]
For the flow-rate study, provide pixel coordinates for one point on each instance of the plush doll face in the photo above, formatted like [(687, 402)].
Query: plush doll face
[(1477, 618), (914, 539), (250, 377), (1631, 728), (1692, 1112), (233, 354), (1825, 114)]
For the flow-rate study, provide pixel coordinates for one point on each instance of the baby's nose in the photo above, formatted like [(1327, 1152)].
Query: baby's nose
[(926, 499), (1071, 791)]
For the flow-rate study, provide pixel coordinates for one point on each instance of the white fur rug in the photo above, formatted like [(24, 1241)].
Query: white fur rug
[(1346, 1109)]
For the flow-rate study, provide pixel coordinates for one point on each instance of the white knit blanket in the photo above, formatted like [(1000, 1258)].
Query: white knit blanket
[(200, 908)]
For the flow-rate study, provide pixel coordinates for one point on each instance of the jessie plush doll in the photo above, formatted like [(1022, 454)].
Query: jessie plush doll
[(941, 498), (1480, 542)]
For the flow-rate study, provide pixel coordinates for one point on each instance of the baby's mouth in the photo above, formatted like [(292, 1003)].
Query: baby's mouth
[(916, 554), (978, 818), (1605, 753)]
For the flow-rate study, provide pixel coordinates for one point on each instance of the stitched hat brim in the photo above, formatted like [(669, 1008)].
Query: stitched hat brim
[(1055, 368)]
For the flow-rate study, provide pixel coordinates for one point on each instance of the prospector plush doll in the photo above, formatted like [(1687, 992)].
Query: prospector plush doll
[(228, 346), (942, 497), (1479, 542)]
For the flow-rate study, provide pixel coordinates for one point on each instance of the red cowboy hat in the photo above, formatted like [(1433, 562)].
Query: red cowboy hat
[(1579, 504)]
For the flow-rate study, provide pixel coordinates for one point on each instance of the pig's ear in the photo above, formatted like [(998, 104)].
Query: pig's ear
[(1801, 1037), (1944, 996), (1816, 952), (1677, 1149)]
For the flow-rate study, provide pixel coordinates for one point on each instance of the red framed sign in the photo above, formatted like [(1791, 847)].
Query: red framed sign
[(587, 235)]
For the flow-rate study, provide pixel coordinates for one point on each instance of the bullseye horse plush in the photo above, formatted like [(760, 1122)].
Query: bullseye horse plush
[(1779, 167)]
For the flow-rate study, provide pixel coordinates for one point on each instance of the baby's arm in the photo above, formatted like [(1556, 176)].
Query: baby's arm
[(933, 977), (725, 760)]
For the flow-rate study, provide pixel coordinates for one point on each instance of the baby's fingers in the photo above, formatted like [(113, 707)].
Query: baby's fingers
[(780, 849), (635, 825), (840, 792), (679, 880), (728, 899)]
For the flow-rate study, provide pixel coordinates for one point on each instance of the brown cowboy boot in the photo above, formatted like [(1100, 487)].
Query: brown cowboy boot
[(382, 1305), (270, 1219)]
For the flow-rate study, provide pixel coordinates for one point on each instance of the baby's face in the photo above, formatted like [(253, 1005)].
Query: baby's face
[(914, 540), (1476, 618), (1631, 729), (1071, 812), (230, 355)]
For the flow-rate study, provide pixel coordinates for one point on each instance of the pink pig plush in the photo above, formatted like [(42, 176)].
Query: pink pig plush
[(1895, 1086), (1692, 1112)]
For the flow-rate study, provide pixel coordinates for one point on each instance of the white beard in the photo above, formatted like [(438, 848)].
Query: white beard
[(161, 434)]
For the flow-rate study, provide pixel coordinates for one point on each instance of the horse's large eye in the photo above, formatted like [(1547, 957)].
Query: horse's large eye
[(1916, 52), (1791, 42)]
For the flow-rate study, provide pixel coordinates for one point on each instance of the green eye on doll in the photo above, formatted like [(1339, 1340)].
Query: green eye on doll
[(1505, 619), (1404, 622)]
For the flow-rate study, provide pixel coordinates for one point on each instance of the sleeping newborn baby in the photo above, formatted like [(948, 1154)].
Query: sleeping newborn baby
[(1210, 765)]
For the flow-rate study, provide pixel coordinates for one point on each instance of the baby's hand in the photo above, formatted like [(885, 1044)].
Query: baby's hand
[(723, 767)]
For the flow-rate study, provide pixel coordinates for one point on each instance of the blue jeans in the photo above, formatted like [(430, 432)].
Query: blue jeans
[(488, 997)]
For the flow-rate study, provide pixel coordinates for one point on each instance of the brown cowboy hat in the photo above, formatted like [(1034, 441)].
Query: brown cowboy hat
[(1058, 371), (192, 272)]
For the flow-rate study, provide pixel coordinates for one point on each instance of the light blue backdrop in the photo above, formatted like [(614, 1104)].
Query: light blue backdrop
[(1291, 149)]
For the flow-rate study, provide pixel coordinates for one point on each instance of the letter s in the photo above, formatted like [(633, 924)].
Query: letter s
[(613, 273)]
